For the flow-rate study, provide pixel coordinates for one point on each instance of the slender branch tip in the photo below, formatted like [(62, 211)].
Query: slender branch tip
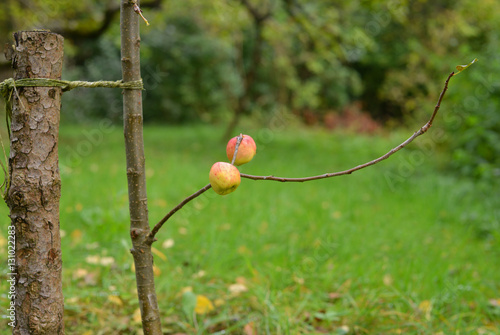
[(419, 132), (416, 134), (138, 10)]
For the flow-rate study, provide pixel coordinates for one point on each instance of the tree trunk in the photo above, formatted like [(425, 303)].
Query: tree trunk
[(136, 176), (35, 185)]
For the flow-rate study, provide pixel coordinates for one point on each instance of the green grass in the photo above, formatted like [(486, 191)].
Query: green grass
[(397, 248)]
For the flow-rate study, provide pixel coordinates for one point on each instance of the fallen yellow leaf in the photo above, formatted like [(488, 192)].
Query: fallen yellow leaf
[(93, 259), (243, 250), (186, 289), (136, 317), (72, 300), (76, 236), (3, 241), (106, 260), (168, 243), (388, 280), (345, 286), (115, 300), (199, 274), (249, 329), (334, 295), (298, 280), (219, 302), (237, 288), (344, 329), (203, 305), (426, 307), (158, 253), (494, 302), (80, 273), (241, 280)]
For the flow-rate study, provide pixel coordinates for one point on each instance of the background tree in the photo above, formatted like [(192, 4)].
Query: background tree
[(215, 62)]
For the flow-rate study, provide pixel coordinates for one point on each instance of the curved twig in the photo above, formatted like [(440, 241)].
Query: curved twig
[(191, 197), (419, 132), (176, 208)]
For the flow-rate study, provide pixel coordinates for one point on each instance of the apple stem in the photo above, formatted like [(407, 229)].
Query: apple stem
[(238, 142)]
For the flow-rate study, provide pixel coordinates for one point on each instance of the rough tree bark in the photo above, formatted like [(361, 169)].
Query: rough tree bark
[(35, 184), (136, 176)]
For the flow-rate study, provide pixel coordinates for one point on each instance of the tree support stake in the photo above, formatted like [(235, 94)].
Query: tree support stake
[(35, 185)]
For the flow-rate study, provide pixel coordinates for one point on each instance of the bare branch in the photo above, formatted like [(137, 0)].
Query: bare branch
[(373, 162), (176, 208), (323, 176), (191, 197)]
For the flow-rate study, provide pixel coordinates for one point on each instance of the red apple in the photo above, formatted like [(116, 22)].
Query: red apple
[(224, 178), (246, 150)]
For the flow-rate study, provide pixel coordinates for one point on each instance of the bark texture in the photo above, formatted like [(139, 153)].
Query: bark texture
[(35, 189), (136, 176)]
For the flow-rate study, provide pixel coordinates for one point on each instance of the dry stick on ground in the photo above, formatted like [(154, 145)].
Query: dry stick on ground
[(419, 132)]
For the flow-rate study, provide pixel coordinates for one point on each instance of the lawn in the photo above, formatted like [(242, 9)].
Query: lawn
[(402, 247)]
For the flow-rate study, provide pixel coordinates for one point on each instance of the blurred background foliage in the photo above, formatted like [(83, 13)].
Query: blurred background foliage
[(321, 61)]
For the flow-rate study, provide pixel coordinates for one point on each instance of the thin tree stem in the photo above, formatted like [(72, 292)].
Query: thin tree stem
[(136, 176)]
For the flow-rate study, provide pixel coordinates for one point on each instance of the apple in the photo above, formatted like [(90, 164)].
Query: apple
[(246, 150), (224, 178)]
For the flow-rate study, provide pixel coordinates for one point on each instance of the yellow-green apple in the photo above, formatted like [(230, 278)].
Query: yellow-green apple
[(224, 178), (246, 150)]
